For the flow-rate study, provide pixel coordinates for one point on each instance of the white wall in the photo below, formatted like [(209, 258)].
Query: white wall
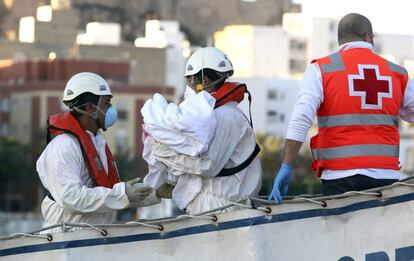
[(101, 34), (255, 51), (323, 39), (270, 52), (175, 69), (320, 32), (400, 47), (270, 115)]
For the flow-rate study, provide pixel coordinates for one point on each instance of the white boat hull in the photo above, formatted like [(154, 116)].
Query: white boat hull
[(361, 227)]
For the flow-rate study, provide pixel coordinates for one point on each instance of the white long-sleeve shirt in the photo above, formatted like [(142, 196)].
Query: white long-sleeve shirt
[(63, 173), (309, 101), (196, 187)]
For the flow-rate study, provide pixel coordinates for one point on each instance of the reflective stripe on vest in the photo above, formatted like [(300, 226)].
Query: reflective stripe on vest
[(337, 64), (396, 68), (356, 151), (357, 120)]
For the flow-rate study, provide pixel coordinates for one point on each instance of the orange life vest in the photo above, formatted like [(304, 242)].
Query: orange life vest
[(66, 123), (358, 119), (230, 91)]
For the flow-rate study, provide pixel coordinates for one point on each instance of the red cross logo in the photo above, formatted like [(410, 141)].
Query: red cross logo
[(370, 86)]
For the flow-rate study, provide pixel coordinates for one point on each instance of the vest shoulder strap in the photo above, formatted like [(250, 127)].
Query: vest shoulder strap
[(245, 164)]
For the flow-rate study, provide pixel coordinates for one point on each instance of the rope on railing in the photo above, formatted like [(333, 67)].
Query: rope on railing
[(210, 214)]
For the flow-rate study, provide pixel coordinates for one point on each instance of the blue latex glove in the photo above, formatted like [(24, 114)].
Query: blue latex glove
[(281, 183)]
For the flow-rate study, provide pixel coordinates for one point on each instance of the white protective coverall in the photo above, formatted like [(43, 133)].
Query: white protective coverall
[(63, 173), (196, 187)]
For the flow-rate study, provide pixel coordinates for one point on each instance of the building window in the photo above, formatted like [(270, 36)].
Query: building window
[(332, 26), (121, 142), (297, 45), (272, 95), (297, 66), (5, 130), (122, 110), (20, 80), (282, 118), (5, 106), (11, 203), (271, 116), (122, 115)]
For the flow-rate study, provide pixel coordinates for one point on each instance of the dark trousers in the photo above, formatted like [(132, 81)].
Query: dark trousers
[(353, 183)]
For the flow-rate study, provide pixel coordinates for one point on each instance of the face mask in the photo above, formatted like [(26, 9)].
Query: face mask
[(111, 115), (188, 92)]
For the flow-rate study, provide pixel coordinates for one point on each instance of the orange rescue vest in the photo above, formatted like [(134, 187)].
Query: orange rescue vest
[(230, 91), (358, 119), (66, 123)]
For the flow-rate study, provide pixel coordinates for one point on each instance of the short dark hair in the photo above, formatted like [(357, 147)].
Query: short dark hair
[(353, 26)]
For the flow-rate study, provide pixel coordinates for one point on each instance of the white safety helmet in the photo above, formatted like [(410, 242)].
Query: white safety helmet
[(208, 58), (85, 82)]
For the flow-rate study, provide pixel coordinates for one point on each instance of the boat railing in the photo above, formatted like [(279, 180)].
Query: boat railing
[(260, 203)]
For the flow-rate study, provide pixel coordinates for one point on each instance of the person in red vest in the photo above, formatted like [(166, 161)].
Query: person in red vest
[(77, 168), (357, 97), (230, 170)]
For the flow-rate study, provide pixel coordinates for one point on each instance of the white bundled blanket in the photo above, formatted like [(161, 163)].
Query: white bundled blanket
[(186, 128), (231, 142), (182, 132)]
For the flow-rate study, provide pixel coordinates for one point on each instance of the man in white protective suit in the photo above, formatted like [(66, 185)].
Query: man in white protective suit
[(77, 168), (202, 153)]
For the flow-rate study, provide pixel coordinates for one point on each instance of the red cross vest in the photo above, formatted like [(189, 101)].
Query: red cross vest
[(67, 123), (358, 119)]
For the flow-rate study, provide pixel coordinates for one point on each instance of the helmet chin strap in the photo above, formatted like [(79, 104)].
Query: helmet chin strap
[(209, 85), (94, 115), (201, 87)]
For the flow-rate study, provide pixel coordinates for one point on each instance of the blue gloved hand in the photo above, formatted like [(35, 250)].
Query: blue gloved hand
[(281, 183)]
